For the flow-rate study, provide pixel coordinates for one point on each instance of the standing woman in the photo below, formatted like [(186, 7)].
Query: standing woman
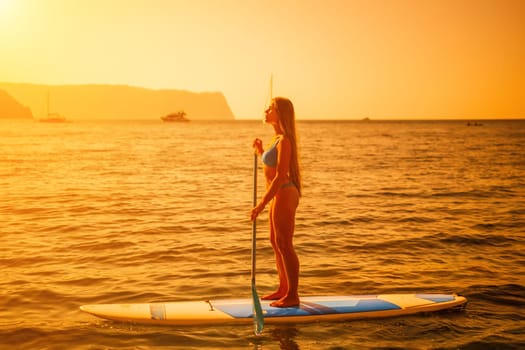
[(283, 189)]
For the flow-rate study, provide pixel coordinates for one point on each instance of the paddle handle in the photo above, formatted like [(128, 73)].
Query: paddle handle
[(254, 180)]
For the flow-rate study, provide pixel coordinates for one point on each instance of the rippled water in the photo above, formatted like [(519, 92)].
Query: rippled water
[(107, 212)]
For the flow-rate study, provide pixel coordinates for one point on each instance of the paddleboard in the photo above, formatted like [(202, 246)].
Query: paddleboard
[(320, 308)]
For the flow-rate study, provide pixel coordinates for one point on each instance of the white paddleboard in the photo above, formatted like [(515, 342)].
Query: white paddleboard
[(241, 310)]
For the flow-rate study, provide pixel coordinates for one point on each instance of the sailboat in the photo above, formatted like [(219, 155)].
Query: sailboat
[(179, 116), (52, 117)]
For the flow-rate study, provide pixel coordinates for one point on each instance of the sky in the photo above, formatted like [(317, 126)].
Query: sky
[(335, 59)]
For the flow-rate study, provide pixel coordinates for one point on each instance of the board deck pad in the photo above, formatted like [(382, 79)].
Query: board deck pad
[(242, 308), (311, 309)]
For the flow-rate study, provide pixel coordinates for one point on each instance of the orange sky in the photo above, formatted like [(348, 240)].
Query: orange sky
[(333, 58)]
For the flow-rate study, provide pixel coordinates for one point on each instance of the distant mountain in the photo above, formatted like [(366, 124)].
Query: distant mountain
[(11, 109), (118, 102)]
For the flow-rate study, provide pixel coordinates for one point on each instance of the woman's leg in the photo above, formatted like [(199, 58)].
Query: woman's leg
[(283, 219), (283, 283)]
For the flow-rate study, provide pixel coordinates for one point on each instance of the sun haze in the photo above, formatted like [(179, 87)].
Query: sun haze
[(335, 59)]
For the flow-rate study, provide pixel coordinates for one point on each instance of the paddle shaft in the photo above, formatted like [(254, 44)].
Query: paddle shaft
[(254, 223), (258, 316)]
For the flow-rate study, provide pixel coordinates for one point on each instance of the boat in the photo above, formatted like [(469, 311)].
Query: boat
[(311, 309), (52, 117), (474, 124), (179, 116)]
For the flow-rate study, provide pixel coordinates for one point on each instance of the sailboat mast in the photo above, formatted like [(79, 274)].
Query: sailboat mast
[(271, 87)]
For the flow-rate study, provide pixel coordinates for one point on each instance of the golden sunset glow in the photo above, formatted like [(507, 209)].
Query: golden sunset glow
[(334, 59), (4, 7)]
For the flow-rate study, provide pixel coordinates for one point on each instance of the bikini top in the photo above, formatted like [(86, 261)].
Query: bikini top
[(269, 157)]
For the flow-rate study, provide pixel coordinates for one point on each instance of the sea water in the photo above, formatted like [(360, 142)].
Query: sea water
[(145, 211)]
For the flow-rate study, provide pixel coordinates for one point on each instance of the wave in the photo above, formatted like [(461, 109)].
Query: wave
[(512, 295), (432, 241), (495, 240)]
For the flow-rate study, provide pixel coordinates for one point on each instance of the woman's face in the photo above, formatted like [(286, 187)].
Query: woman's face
[(271, 114)]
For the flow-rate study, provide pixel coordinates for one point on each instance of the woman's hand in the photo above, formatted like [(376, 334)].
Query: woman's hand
[(257, 146), (255, 211)]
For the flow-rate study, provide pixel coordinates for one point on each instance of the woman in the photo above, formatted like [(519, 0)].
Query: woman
[(283, 189)]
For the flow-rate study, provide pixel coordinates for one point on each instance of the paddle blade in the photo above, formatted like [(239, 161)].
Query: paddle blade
[(258, 317)]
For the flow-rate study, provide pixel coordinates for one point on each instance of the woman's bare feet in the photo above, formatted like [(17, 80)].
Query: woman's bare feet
[(274, 296), (286, 301)]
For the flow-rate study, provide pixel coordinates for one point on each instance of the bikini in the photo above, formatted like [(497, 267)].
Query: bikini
[(269, 158)]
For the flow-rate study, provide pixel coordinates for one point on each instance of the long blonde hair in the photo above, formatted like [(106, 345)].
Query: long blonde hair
[(287, 119)]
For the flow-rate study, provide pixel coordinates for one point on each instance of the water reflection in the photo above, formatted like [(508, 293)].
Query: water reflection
[(283, 335), (286, 337)]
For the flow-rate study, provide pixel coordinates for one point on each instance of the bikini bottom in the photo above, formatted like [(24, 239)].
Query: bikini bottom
[(288, 184)]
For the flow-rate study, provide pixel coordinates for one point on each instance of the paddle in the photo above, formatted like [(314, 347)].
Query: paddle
[(258, 317)]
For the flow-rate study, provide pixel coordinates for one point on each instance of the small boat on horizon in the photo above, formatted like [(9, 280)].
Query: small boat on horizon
[(474, 124), (52, 117), (179, 116)]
